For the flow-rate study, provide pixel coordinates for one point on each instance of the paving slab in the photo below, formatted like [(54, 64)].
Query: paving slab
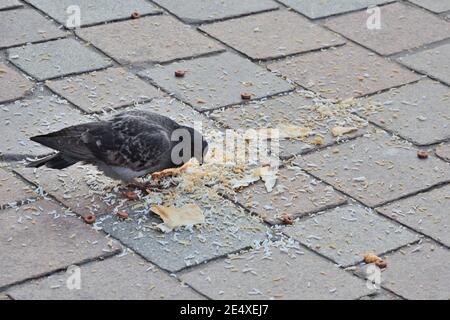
[(418, 112), (346, 233), (93, 12), (56, 58), (216, 81), (26, 26), (415, 28), (126, 277), (296, 193), (425, 212), (287, 272), (104, 90), (437, 6), (433, 62), (13, 85), (26, 253), (10, 4), (443, 152), (324, 8), (344, 72), (264, 36), (12, 190), (151, 39), (376, 168), (39, 114), (197, 11), (381, 295)]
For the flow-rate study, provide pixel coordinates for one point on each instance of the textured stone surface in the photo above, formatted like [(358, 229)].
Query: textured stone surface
[(118, 278), (346, 233), (419, 112), (92, 12), (216, 81), (437, 6), (381, 295), (67, 241), (12, 84), (414, 29), (56, 58), (260, 274), (264, 35), (9, 4), (296, 193), (323, 8), (426, 212), (104, 90), (443, 152), (344, 72), (376, 169), (32, 28), (38, 115), (150, 39), (433, 62), (13, 190), (196, 11)]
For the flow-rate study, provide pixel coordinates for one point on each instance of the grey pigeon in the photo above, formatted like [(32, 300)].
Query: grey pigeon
[(129, 145)]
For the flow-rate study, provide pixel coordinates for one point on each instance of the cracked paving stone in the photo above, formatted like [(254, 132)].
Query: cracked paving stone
[(56, 58), (263, 36), (93, 12), (104, 90), (197, 11), (324, 8), (376, 168), (436, 6), (402, 28), (425, 212), (381, 295), (151, 39), (33, 27), (12, 190), (275, 273), (10, 4), (346, 233), (13, 85), (27, 254), (344, 72), (126, 277), (38, 115), (288, 110), (419, 112), (433, 62), (216, 81), (296, 193), (443, 152)]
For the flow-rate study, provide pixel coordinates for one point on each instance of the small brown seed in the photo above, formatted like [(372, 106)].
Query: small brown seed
[(381, 264), (180, 73), (246, 96), (132, 195), (122, 215), (135, 15), (422, 154), (89, 219), (287, 218)]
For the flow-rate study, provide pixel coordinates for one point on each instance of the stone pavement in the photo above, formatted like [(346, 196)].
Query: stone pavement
[(322, 66)]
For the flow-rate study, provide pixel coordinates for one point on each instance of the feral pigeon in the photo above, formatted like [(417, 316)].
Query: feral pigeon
[(129, 145)]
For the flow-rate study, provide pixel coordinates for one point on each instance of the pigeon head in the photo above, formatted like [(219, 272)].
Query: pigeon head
[(189, 143)]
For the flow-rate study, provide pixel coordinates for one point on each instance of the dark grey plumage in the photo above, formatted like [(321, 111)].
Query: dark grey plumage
[(129, 145)]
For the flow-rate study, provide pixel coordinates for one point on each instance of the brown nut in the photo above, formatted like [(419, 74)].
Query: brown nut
[(132, 195), (180, 73), (381, 264), (122, 215), (89, 219), (135, 15), (287, 218), (246, 96), (422, 154)]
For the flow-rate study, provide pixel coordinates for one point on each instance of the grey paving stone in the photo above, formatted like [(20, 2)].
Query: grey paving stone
[(227, 229), (273, 273), (419, 112), (343, 72), (118, 278), (9, 4), (416, 28), (296, 193), (216, 81), (376, 169), (443, 152), (13, 190), (419, 272), (104, 90), (24, 26), (346, 233), (264, 35), (426, 212), (294, 109), (324, 8), (92, 12), (27, 253), (38, 115), (433, 62), (196, 11), (381, 295), (56, 58), (437, 6), (12, 84), (151, 39)]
